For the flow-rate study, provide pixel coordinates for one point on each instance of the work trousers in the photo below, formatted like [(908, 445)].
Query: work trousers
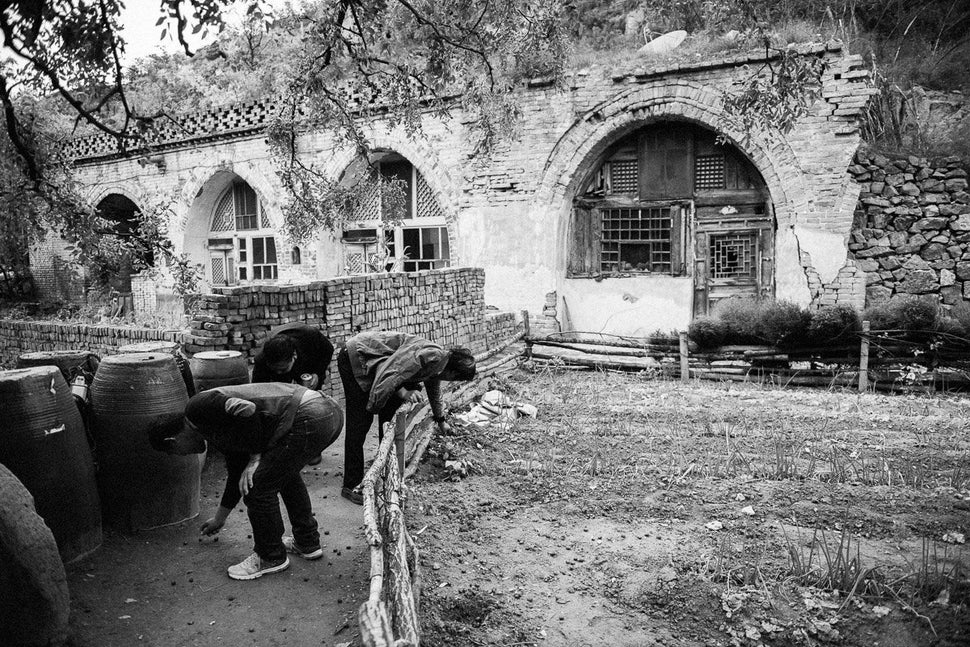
[(317, 424), (359, 421)]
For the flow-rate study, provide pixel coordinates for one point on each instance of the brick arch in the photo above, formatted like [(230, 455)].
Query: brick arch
[(418, 151), (578, 150), (100, 192), (424, 157), (199, 177)]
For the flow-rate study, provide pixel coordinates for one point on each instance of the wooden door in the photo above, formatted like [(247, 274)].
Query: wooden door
[(734, 255)]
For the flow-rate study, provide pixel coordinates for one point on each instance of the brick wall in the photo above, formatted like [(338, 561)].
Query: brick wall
[(446, 306), (912, 227)]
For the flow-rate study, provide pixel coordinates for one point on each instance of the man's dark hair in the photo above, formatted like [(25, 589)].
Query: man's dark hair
[(278, 349), (461, 364)]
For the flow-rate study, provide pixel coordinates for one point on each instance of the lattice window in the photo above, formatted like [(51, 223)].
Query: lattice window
[(709, 172), (218, 271), (224, 217), (623, 176), (637, 240), (427, 206), (369, 207), (733, 256), (354, 263)]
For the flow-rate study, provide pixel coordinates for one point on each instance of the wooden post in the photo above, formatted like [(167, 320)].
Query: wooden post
[(400, 436), (684, 359), (526, 334), (864, 358)]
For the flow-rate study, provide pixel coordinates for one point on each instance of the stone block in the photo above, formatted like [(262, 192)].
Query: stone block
[(919, 282)]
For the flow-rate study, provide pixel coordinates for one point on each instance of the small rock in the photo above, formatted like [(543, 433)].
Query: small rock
[(714, 525), (748, 510), (955, 538)]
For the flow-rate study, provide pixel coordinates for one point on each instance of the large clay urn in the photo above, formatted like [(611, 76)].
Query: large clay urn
[(172, 348), (42, 441), (136, 400), (213, 368)]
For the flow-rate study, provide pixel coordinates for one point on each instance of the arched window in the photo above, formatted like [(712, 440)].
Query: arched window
[(241, 242), (418, 240)]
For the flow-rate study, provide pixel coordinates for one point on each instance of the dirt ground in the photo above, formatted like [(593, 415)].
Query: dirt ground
[(168, 588), (637, 511)]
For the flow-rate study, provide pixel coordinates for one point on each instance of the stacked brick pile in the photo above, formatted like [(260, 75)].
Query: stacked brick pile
[(444, 305), (912, 227), (500, 327)]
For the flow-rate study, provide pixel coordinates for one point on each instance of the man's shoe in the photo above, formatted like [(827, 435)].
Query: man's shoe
[(352, 495), (290, 545), (316, 460), (254, 566)]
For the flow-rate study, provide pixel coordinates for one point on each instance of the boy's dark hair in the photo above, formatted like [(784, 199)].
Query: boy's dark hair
[(461, 364), (278, 349)]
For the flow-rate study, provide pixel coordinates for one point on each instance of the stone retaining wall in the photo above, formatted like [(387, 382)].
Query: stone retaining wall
[(912, 227)]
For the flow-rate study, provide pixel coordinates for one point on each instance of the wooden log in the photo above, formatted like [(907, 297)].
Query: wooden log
[(616, 362), (596, 349), (611, 341)]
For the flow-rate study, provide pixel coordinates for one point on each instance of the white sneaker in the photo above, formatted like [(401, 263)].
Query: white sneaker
[(253, 567), (290, 545)]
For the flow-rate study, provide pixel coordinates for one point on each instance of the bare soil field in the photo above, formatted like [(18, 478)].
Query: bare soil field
[(652, 512)]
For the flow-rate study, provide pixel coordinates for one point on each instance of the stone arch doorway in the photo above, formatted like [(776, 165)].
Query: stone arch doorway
[(403, 229), (673, 199), (122, 221)]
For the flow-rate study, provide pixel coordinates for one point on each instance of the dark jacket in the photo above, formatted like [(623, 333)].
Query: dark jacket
[(276, 406), (313, 354), (383, 362)]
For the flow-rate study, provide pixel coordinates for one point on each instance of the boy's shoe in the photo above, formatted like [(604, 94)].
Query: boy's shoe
[(352, 495), (254, 566), (290, 544), (316, 460)]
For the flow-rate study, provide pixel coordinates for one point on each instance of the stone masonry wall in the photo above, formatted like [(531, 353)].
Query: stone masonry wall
[(912, 227)]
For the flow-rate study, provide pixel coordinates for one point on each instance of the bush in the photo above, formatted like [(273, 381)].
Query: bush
[(741, 319), (910, 318), (833, 325), (707, 332), (783, 324)]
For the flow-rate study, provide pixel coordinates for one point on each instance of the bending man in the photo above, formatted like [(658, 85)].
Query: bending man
[(379, 372), (267, 432)]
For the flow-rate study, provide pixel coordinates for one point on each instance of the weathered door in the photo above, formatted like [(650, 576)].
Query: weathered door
[(734, 253)]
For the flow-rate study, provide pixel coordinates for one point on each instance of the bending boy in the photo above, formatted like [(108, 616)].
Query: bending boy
[(379, 372), (267, 432)]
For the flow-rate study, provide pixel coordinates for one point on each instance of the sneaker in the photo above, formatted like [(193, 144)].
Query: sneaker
[(352, 495), (290, 544), (316, 460), (254, 566)]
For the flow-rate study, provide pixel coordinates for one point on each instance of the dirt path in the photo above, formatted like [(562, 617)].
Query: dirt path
[(167, 588), (658, 513)]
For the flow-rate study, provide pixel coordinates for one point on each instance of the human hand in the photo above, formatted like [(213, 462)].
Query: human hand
[(246, 479), (408, 395), (211, 526)]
